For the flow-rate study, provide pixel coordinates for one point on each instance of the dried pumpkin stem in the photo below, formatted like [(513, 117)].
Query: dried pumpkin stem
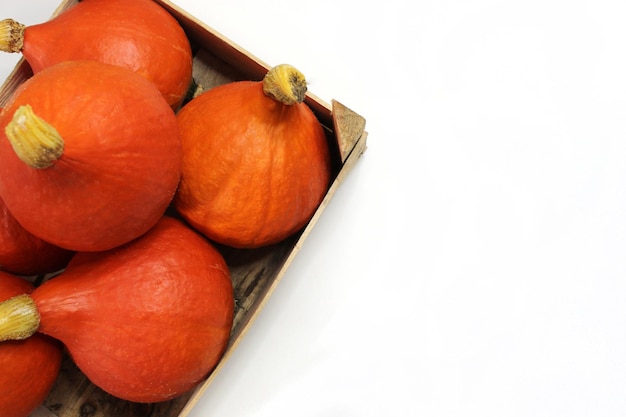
[(11, 35), (285, 84), (34, 140), (19, 318)]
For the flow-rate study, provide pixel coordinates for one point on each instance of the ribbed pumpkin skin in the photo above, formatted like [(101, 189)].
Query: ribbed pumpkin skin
[(145, 322), (23, 253), (29, 367), (136, 34), (254, 169), (120, 166)]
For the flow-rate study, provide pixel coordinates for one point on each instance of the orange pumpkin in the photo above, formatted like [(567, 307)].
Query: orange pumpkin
[(23, 253), (145, 322), (90, 155), (136, 34), (29, 367), (256, 160)]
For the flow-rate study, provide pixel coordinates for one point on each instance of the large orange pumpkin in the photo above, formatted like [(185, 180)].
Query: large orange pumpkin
[(29, 367), (136, 34), (145, 322), (90, 155), (256, 160)]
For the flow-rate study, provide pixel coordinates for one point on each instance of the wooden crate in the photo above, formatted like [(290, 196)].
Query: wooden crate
[(255, 273)]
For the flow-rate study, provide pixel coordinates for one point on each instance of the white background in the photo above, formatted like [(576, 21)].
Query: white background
[(473, 263)]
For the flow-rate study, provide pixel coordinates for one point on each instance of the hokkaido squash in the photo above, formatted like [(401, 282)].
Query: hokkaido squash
[(256, 160), (22, 253), (90, 155), (136, 34), (29, 367), (144, 322)]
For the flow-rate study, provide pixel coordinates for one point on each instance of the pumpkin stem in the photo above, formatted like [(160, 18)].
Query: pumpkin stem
[(11, 35), (285, 84), (34, 140), (19, 318)]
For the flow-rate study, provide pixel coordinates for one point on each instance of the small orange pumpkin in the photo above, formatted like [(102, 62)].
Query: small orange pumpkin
[(256, 161), (136, 34), (90, 155), (29, 367)]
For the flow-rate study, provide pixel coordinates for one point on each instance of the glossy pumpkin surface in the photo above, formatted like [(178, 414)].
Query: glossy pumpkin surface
[(145, 322), (254, 169), (29, 367), (120, 162)]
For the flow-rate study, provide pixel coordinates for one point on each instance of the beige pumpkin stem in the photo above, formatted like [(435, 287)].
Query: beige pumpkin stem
[(19, 318), (285, 84), (34, 140), (11, 35)]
